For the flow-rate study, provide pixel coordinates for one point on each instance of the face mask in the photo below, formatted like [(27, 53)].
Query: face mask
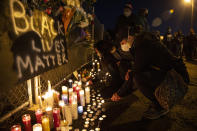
[(125, 47), (127, 13)]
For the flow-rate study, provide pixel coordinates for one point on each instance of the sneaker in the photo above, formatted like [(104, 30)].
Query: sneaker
[(153, 113)]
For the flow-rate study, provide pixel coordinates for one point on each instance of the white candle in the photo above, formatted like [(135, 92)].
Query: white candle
[(87, 93), (104, 116), (79, 84), (68, 114), (50, 115), (97, 129), (74, 107), (37, 127), (64, 90), (101, 118), (48, 97), (82, 98)]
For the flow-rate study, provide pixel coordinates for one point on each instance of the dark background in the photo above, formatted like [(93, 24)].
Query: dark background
[(107, 12)]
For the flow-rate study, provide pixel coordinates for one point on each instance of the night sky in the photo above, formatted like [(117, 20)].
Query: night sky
[(107, 12)]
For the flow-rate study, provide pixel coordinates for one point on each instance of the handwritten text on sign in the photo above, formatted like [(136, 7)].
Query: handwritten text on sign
[(40, 45)]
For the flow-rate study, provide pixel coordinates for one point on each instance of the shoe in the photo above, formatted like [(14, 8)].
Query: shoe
[(153, 113)]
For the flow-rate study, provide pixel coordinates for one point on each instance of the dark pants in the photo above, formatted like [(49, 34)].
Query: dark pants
[(147, 83)]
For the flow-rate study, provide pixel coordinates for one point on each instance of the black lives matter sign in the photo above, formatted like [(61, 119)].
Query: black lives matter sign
[(40, 44)]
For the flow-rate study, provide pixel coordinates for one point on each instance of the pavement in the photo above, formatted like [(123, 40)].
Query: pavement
[(126, 115)]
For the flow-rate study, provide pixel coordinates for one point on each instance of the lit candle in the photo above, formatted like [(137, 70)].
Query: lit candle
[(38, 114), (50, 115), (74, 107), (56, 117), (45, 123), (80, 84), (86, 122), (86, 126), (87, 93), (56, 97), (90, 115), (61, 105), (48, 97), (70, 83), (16, 128), (64, 90), (68, 114), (37, 127), (97, 129), (104, 116), (103, 101), (82, 98), (84, 130), (65, 98), (74, 87), (101, 118), (87, 119), (79, 77), (80, 109), (77, 91), (70, 91), (64, 126), (27, 122)]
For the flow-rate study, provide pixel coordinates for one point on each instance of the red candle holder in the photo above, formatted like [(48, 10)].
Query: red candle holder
[(16, 128), (39, 114), (27, 122), (56, 117)]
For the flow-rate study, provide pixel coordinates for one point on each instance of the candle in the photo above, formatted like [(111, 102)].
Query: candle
[(70, 83), (70, 91), (68, 114), (16, 128), (65, 98), (86, 122), (90, 115), (48, 97), (56, 96), (74, 87), (87, 93), (45, 123), (85, 113), (87, 119), (104, 116), (27, 122), (50, 115), (37, 127), (77, 91), (84, 130), (101, 118), (56, 117), (80, 84), (74, 107), (92, 119), (82, 98), (103, 101), (38, 114), (64, 90), (80, 109), (79, 77), (86, 126), (64, 126), (97, 129)]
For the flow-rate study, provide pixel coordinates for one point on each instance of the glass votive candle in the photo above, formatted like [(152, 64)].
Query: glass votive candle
[(104, 116), (94, 103), (91, 112), (89, 105), (16, 128), (84, 130), (97, 129), (45, 123), (83, 116), (91, 130), (86, 122), (88, 110), (98, 101), (89, 115), (37, 127), (93, 99), (103, 101), (92, 119), (97, 98), (85, 113), (27, 122), (101, 119), (99, 106), (86, 126), (87, 119), (99, 95), (38, 114)]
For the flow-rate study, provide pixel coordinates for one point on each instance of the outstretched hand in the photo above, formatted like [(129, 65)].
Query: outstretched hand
[(115, 97)]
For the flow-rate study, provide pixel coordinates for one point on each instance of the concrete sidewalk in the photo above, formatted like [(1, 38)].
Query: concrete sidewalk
[(126, 115)]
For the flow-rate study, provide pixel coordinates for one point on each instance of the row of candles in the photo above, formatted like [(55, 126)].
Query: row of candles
[(73, 102)]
